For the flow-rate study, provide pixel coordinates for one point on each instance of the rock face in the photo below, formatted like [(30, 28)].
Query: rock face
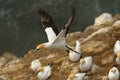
[(97, 41), (20, 23), (105, 18)]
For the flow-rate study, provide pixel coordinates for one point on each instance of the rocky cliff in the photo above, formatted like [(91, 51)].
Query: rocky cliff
[(97, 40)]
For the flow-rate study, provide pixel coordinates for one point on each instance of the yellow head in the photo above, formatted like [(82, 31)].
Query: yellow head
[(82, 61), (113, 70), (40, 69), (72, 76), (40, 46), (36, 61)]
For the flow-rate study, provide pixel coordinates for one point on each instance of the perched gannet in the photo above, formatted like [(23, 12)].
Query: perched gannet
[(35, 64), (118, 58), (55, 39), (85, 63), (117, 47), (78, 76), (113, 74), (43, 73), (73, 56)]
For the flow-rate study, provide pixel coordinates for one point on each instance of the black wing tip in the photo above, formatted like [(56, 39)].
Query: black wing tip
[(73, 10), (45, 18), (71, 18), (42, 12)]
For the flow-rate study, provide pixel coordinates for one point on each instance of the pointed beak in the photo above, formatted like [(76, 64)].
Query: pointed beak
[(82, 61), (114, 71), (51, 64), (36, 72), (35, 50)]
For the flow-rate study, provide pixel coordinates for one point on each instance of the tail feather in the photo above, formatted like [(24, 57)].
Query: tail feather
[(50, 64), (71, 49)]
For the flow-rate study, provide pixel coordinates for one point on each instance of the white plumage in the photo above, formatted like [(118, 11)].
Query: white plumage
[(44, 72), (118, 58), (117, 47), (35, 64), (85, 63), (113, 74), (55, 39), (73, 56), (59, 42), (117, 51), (50, 34), (78, 76)]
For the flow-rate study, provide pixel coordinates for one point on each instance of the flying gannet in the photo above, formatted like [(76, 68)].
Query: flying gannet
[(55, 39)]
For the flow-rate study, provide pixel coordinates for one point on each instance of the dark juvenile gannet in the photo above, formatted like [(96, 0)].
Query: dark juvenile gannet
[(55, 39)]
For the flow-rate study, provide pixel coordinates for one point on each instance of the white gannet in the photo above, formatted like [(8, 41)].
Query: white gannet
[(73, 56), (78, 76), (55, 39), (43, 73), (118, 58), (113, 74), (35, 64), (85, 63), (117, 47)]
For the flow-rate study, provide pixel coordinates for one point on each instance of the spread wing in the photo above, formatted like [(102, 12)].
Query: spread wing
[(61, 36), (48, 24), (70, 20)]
